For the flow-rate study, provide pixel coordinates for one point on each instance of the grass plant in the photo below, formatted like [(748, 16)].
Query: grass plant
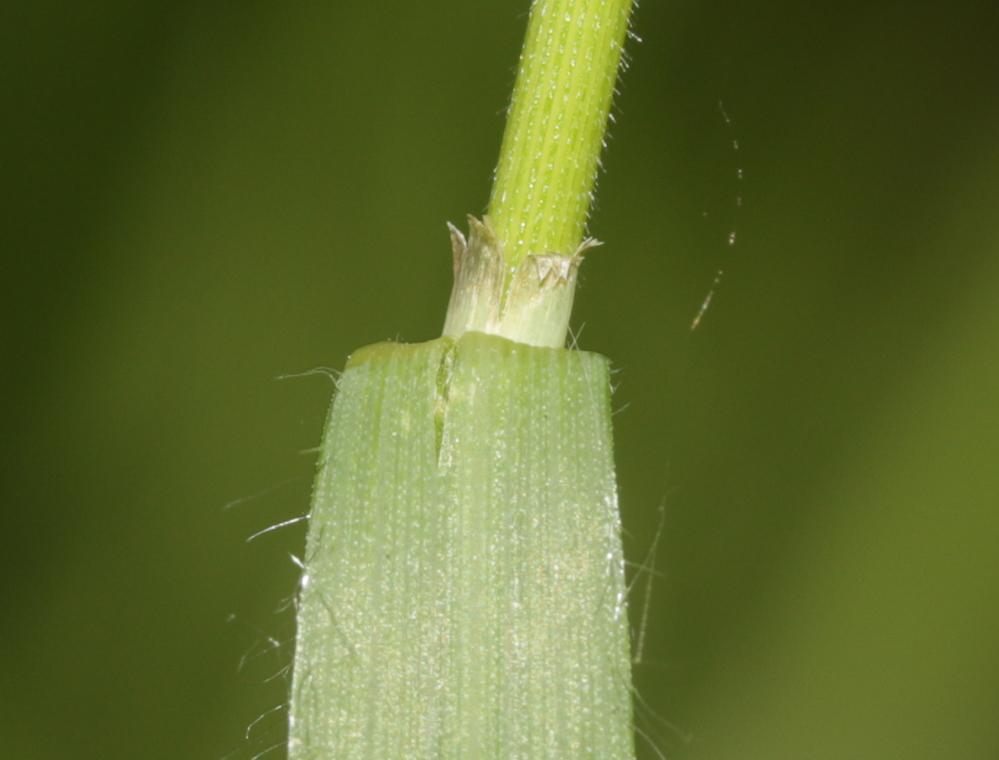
[(463, 591)]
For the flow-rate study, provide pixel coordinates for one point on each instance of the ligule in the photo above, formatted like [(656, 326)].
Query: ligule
[(463, 594), (530, 302)]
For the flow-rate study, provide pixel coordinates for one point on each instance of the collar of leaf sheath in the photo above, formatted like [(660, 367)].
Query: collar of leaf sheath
[(530, 302)]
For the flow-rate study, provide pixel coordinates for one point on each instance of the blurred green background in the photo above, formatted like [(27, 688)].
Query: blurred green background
[(199, 197)]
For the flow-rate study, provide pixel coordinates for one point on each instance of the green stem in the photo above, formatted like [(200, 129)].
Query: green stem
[(516, 274), (555, 130)]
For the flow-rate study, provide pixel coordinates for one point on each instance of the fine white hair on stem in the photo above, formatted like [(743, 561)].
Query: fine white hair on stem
[(261, 493), (329, 372), (257, 650), (648, 566), (646, 710), (648, 740), (278, 526), (267, 751), (248, 734)]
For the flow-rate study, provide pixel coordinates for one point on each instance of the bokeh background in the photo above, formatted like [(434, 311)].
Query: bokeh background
[(201, 197)]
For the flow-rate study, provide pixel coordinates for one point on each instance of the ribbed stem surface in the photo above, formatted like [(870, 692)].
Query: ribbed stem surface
[(555, 130)]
